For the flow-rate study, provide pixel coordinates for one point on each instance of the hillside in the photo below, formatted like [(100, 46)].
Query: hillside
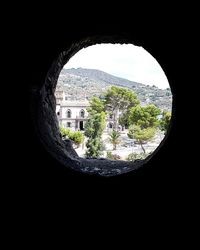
[(84, 83)]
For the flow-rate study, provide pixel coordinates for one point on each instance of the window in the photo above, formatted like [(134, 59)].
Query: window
[(82, 113), (68, 114), (68, 124), (58, 113), (111, 116)]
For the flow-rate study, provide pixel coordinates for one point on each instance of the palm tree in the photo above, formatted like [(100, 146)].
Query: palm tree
[(114, 138)]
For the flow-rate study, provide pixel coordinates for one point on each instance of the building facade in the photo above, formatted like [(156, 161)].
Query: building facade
[(73, 114)]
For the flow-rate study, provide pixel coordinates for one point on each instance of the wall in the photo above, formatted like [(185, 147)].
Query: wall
[(75, 112), (160, 181)]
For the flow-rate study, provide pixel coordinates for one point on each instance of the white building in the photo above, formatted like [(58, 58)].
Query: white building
[(73, 114)]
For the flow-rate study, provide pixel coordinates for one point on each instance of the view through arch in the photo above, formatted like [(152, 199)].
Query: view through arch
[(113, 101)]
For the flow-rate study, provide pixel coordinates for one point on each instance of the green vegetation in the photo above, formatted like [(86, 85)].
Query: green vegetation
[(124, 119), (96, 105), (145, 120), (135, 156), (93, 130), (114, 100), (119, 99), (144, 117), (165, 121), (76, 136), (114, 138), (111, 156), (142, 123), (65, 132), (142, 135)]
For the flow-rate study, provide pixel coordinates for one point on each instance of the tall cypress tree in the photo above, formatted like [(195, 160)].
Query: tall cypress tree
[(94, 128)]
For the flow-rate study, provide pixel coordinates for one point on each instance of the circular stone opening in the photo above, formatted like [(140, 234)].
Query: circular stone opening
[(61, 129)]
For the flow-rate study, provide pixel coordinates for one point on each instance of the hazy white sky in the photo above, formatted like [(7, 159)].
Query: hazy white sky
[(127, 61)]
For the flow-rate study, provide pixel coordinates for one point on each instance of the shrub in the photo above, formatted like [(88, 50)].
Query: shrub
[(65, 132), (111, 156), (114, 138), (77, 137), (135, 156)]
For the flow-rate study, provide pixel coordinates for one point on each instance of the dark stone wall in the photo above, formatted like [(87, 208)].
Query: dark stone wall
[(39, 174), (43, 107), (41, 85)]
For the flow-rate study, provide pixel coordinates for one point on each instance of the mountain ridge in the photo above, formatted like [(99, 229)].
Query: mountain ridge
[(96, 74), (82, 83)]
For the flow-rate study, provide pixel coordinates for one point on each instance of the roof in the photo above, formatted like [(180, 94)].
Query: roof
[(75, 104)]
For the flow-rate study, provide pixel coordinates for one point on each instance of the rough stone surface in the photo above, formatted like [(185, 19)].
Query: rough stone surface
[(46, 124)]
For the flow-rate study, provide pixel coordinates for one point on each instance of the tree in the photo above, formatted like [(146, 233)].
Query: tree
[(141, 135), (119, 99), (114, 138), (165, 121), (97, 105), (144, 117), (94, 128), (65, 132), (77, 137), (124, 119)]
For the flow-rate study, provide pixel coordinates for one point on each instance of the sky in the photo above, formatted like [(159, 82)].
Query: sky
[(126, 61)]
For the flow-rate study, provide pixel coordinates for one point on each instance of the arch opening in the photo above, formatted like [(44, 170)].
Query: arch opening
[(63, 150)]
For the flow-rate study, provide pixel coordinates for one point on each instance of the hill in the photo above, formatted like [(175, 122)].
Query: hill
[(84, 83)]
